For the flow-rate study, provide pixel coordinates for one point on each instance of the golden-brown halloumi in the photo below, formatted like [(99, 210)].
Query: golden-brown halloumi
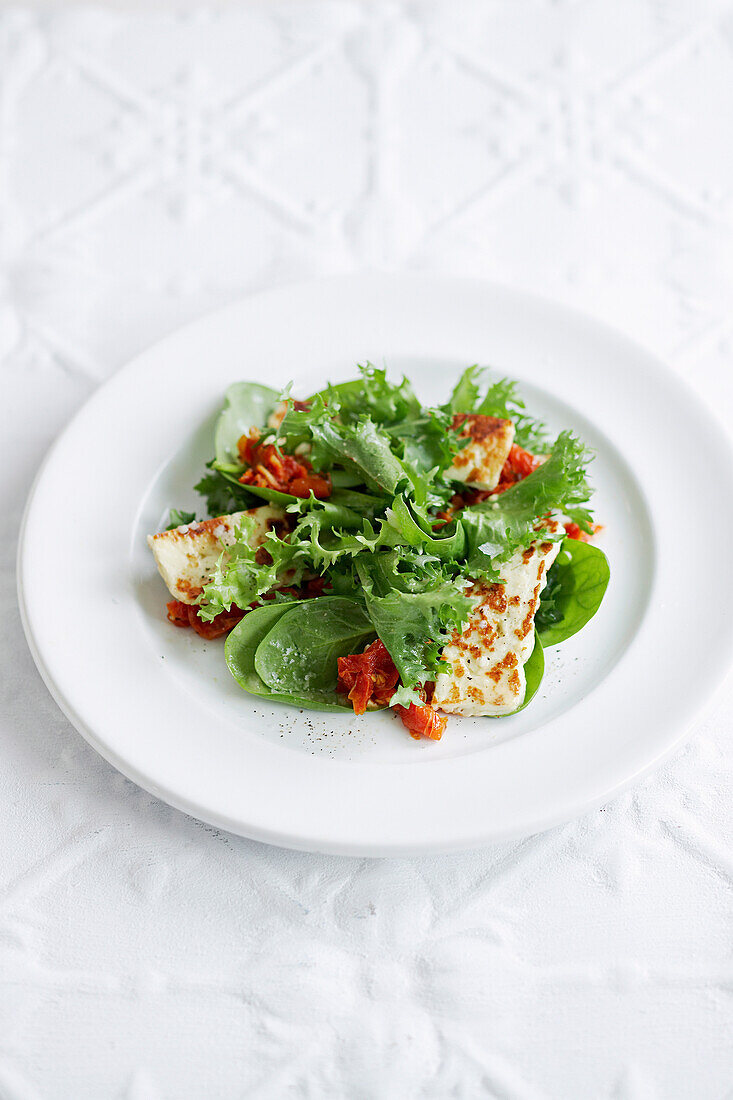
[(480, 462), (186, 556), (487, 659)]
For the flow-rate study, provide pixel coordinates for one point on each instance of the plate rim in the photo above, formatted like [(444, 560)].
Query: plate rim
[(205, 813)]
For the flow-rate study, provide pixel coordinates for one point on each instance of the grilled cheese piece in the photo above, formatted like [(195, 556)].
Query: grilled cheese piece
[(487, 660), (480, 462), (186, 556)]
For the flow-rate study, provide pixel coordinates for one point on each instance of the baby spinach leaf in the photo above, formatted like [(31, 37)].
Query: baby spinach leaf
[(298, 655), (581, 574), (230, 475), (242, 643), (364, 503), (247, 405), (335, 511), (240, 649), (273, 496), (326, 513)]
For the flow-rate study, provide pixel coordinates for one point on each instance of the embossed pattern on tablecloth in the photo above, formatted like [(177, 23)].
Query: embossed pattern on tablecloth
[(154, 165)]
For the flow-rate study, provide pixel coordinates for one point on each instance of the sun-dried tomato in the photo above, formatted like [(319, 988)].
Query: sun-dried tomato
[(311, 483), (368, 677), (422, 721), (574, 532), (186, 614), (269, 468), (308, 590), (178, 613), (519, 464), (247, 446)]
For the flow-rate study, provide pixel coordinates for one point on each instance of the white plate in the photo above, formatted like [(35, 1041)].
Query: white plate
[(159, 703)]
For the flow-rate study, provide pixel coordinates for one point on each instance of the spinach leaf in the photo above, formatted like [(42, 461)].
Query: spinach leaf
[(361, 502), (230, 474), (247, 405), (336, 510), (241, 646), (579, 583), (329, 513), (273, 496), (298, 655), (549, 612)]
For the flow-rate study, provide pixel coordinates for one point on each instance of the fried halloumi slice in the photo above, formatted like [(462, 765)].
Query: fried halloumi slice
[(480, 462), (186, 556), (487, 659)]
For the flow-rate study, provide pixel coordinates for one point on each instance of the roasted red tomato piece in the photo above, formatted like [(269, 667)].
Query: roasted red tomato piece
[(269, 468), (367, 677), (422, 721), (186, 614), (574, 532)]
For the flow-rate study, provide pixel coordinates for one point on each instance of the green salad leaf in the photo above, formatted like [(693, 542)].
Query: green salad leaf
[(495, 528), (465, 396), (361, 446), (375, 396), (176, 518), (222, 493), (299, 653), (501, 399), (414, 612), (247, 405), (576, 585), (241, 648)]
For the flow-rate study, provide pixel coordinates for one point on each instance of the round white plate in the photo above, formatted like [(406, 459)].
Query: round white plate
[(159, 702)]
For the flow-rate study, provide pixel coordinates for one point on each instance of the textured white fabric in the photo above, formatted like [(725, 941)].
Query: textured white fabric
[(154, 165)]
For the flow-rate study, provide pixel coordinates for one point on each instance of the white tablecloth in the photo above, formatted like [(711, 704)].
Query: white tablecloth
[(153, 166)]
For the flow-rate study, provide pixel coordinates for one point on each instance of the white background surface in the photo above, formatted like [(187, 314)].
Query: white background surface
[(153, 166)]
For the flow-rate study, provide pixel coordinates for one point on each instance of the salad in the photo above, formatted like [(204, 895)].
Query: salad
[(367, 551)]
